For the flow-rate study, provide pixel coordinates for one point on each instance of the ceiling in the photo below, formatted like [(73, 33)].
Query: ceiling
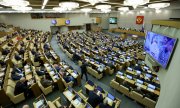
[(115, 4)]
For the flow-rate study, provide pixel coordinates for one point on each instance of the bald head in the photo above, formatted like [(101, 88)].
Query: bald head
[(25, 106)]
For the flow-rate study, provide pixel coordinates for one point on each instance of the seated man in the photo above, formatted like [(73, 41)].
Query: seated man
[(68, 78), (57, 67), (17, 57), (22, 87), (45, 82), (137, 67), (16, 76), (5, 51), (95, 98), (17, 69), (40, 71), (21, 51)]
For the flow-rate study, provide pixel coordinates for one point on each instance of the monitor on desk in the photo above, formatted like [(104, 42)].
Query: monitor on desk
[(151, 86), (78, 98), (145, 67), (139, 81), (129, 68), (148, 75), (129, 77), (75, 72), (99, 88), (119, 73), (88, 106), (110, 96), (138, 72), (90, 83)]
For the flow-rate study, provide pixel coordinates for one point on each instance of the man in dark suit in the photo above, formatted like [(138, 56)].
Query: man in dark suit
[(21, 51), (94, 99), (5, 51), (45, 82), (17, 57), (137, 67), (22, 87), (84, 70)]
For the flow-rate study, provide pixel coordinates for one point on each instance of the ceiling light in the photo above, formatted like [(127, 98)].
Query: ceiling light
[(14, 3), (69, 5), (123, 9), (44, 4), (135, 3), (121, 13), (86, 10), (21, 8), (142, 12), (103, 7), (106, 10), (158, 5), (59, 9), (93, 2)]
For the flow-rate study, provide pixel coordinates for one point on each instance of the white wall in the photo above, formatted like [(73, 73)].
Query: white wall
[(129, 19), (25, 21)]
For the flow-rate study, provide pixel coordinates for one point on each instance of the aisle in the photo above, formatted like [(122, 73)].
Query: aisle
[(104, 82)]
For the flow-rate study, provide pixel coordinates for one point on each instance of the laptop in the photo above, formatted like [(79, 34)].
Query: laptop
[(129, 68), (139, 81), (119, 73), (148, 75), (151, 86), (90, 83), (129, 77), (138, 72), (88, 106), (110, 96)]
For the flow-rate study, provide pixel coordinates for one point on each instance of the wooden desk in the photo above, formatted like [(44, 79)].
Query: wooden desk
[(77, 104), (69, 95), (89, 87)]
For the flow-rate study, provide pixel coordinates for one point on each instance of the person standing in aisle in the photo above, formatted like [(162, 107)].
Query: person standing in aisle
[(84, 69)]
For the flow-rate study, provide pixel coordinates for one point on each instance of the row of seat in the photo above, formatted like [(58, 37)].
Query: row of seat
[(133, 94)]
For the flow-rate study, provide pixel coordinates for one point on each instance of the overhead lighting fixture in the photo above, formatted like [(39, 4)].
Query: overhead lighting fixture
[(123, 9), (86, 10), (121, 13), (59, 9), (135, 3), (93, 2), (21, 8), (44, 4), (69, 5), (142, 12), (158, 5), (103, 7), (106, 10), (14, 3)]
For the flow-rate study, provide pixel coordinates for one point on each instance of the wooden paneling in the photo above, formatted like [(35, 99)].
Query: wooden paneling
[(61, 21)]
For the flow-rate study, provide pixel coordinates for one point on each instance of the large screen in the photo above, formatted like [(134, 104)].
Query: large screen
[(159, 47), (113, 20)]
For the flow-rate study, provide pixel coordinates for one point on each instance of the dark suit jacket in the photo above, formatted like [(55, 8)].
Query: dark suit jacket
[(94, 99), (17, 57), (20, 87)]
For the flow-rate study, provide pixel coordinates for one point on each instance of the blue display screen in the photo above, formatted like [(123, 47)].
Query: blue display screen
[(159, 47)]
